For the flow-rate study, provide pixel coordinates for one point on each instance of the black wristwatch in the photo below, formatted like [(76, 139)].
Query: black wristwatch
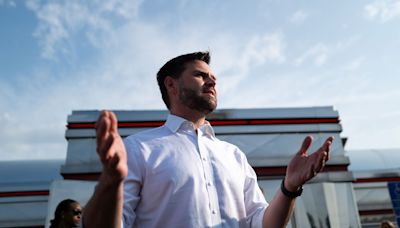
[(288, 193)]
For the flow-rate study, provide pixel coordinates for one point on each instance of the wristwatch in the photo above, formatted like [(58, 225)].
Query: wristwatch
[(290, 194)]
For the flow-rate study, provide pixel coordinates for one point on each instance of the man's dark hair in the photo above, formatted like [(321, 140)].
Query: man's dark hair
[(174, 69)]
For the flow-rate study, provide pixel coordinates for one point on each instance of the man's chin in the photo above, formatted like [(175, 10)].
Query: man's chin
[(210, 108), (211, 102)]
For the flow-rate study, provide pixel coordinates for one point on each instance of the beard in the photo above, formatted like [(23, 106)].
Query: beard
[(193, 100)]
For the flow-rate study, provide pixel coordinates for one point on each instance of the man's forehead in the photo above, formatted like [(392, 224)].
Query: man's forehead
[(198, 65)]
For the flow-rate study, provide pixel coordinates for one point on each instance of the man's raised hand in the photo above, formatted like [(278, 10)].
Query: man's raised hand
[(110, 148), (303, 166)]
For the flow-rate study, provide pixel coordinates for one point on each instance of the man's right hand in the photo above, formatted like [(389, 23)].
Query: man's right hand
[(111, 149), (105, 207)]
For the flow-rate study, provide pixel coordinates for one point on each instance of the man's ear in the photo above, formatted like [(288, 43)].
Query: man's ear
[(171, 84)]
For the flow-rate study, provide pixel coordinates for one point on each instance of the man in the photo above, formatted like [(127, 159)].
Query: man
[(180, 175)]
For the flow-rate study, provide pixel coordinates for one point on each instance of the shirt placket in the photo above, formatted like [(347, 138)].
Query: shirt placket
[(209, 180)]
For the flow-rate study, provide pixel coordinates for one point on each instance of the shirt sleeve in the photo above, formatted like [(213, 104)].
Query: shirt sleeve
[(255, 202), (133, 182)]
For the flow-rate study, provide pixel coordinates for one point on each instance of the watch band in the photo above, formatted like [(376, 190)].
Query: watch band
[(290, 194)]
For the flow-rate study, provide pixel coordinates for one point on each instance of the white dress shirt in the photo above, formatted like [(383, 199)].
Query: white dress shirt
[(180, 178)]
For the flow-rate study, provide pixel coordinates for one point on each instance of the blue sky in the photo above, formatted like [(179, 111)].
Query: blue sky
[(59, 56)]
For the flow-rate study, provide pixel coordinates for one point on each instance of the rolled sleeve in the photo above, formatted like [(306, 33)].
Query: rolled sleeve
[(255, 202)]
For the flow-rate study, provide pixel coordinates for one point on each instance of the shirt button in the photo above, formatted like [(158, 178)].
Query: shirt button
[(204, 159), (209, 184), (214, 212)]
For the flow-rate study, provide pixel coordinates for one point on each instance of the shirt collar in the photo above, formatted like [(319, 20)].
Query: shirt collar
[(174, 123)]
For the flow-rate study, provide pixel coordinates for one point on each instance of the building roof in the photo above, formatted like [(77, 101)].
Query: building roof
[(374, 159), (28, 175)]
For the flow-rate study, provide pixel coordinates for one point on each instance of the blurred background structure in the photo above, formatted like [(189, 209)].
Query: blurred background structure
[(352, 191)]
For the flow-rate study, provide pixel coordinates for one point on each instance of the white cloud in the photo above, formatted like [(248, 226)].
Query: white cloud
[(383, 10), (24, 138), (250, 68), (29, 130), (355, 64), (318, 55), (258, 50), (123, 76), (298, 17), (368, 118), (60, 21), (8, 3)]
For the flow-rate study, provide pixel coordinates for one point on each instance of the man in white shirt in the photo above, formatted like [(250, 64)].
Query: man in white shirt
[(180, 175)]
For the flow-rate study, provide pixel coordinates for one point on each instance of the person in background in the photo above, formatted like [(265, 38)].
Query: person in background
[(67, 214), (387, 224)]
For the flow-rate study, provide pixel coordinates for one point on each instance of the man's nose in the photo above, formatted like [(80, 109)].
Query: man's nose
[(210, 81)]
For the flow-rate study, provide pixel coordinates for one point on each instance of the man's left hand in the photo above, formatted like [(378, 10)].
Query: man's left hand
[(303, 166)]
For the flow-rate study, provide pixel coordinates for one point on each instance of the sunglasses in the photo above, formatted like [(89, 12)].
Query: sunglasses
[(76, 212)]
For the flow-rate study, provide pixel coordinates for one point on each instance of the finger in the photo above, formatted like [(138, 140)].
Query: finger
[(324, 148), (328, 143), (327, 147), (114, 123), (101, 128), (319, 161), (105, 149), (305, 146), (322, 155)]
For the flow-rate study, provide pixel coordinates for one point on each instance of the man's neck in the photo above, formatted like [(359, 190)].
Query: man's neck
[(196, 117)]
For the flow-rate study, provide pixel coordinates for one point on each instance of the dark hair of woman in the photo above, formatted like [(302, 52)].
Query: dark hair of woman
[(62, 208)]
